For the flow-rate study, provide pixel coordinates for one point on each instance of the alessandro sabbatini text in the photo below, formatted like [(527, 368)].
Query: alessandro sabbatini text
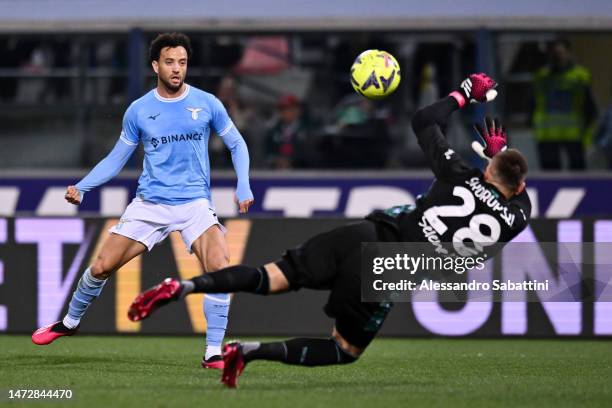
[(520, 272)]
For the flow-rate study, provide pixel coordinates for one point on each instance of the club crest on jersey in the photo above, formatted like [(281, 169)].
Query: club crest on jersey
[(194, 112)]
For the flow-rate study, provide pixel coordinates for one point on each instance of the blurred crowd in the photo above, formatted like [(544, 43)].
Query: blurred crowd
[(304, 114), (48, 71)]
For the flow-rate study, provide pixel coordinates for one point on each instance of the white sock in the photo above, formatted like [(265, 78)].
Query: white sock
[(70, 323), (212, 351)]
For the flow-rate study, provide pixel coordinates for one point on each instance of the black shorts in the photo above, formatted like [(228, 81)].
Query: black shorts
[(332, 261)]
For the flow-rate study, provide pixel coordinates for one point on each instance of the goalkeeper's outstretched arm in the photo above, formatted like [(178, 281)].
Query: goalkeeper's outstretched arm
[(433, 115), (426, 123)]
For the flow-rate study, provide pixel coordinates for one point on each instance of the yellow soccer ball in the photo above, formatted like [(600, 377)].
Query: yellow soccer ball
[(375, 74)]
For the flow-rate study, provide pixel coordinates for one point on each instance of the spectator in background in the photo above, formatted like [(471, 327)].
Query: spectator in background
[(227, 93), (242, 116), (428, 85), (564, 109), (9, 60), (64, 57), (359, 136), (603, 137), (288, 140)]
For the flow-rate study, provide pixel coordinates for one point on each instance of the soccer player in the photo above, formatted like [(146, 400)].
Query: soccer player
[(173, 122), (459, 202)]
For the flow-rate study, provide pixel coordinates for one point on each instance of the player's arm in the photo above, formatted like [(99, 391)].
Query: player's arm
[(105, 170), (442, 159), (520, 205), (426, 125), (112, 164), (235, 143)]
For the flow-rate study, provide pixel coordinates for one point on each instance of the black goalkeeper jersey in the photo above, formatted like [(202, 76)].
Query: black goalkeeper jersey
[(461, 214)]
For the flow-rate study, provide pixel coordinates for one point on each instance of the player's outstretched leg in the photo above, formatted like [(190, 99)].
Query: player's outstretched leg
[(88, 289), (307, 352), (116, 251), (238, 278)]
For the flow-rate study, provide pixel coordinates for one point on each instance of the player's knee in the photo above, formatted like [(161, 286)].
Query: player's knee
[(102, 268), (351, 352), (344, 357)]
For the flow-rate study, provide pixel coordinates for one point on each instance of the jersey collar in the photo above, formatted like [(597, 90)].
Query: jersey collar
[(171, 100), (495, 190)]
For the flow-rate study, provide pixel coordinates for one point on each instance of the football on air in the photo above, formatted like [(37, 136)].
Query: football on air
[(375, 74)]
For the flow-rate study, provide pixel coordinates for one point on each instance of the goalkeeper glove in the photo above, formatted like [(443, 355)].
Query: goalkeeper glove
[(476, 88), (494, 137)]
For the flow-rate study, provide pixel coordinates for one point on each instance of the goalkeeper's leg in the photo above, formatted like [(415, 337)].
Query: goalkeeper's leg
[(308, 352), (262, 280)]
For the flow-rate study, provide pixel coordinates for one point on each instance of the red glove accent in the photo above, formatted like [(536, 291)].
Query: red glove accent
[(494, 136), (459, 98), (477, 88)]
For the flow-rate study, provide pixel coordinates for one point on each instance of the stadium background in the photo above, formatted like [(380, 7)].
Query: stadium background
[(68, 73)]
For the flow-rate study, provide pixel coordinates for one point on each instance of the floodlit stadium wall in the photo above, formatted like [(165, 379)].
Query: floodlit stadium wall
[(41, 259)]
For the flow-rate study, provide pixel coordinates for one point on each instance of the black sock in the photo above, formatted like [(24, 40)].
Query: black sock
[(59, 327), (238, 278), (299, 351)]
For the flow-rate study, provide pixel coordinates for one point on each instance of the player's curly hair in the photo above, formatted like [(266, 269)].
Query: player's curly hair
[(171, 40), (510, 167)]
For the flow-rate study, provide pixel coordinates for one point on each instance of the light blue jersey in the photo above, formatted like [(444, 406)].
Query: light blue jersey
[(175, 135)]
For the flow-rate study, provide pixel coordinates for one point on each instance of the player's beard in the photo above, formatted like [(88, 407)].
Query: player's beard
[(169, 86)]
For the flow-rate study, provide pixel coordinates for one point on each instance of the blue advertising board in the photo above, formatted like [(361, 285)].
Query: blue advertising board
[(301, 195)]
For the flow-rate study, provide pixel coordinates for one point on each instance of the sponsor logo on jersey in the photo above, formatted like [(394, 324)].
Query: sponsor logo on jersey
[(195, 136), (431, 235), (448, 154), (153, 117)]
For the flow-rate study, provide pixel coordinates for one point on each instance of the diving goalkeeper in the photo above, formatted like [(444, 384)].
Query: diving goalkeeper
[(331, 260)]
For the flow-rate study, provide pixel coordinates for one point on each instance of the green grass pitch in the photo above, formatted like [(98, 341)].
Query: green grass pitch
[(164, 372)]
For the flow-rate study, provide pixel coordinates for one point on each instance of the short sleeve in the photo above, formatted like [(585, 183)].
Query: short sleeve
[(220, 120), (130, 133)]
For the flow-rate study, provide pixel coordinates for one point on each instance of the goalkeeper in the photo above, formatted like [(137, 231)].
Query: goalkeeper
[(331, 261)]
